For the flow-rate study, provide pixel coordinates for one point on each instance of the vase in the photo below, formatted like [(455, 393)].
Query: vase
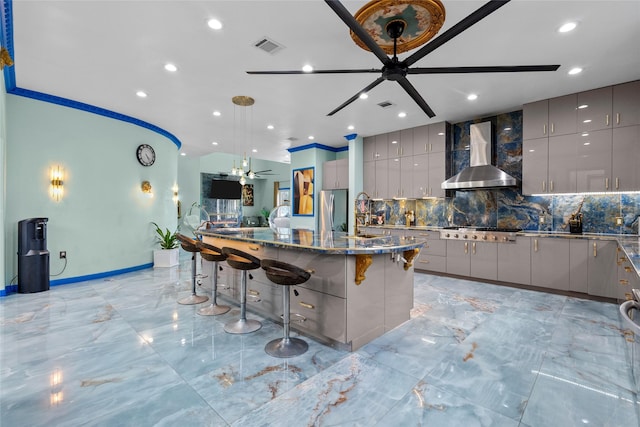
[(166, 257)]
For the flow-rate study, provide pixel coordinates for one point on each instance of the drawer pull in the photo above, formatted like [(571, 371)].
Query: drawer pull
[(595, 249), (254, 293), (423, 261), (466, 247), (535, 245), (307, 305), (627, 269), (624, 282)]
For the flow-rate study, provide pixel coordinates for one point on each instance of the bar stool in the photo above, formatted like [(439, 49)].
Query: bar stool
[(215, 255), (287, 275), (189, 245), (243, 261)]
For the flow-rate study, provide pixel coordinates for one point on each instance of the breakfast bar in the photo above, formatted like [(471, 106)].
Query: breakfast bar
[(360, 286)]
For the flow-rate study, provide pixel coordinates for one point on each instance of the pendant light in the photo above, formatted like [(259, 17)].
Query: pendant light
[(241, 101)]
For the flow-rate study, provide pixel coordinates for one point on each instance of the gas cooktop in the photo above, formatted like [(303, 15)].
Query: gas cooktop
[(487, 234)]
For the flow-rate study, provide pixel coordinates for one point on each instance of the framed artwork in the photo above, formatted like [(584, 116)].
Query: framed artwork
[(303, 191), (247, 195)]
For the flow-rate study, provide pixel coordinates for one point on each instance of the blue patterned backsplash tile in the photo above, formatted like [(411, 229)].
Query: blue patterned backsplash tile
[(508, 208)]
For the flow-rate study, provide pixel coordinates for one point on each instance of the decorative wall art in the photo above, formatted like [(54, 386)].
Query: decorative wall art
[(303, 191), (247, 195)]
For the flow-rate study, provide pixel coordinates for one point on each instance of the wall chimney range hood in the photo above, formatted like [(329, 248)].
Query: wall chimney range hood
[(481, 174)]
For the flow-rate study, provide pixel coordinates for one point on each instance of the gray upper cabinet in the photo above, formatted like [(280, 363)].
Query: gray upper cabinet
[(626, 104), (626, 158), (562, 164), (369, 178), (420, 182), (437, 174), (421, 140), (335, 174), (556, 116), (593, 161), (405, 148), (369, 149), (382, 146), (594, 109), (394, 146), (437, 137), (535, 170)]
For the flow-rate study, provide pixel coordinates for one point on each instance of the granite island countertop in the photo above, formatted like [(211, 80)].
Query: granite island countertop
[(334, 243)]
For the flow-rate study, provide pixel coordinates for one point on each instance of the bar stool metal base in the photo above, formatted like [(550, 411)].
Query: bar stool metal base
[(213, 310), (193, 299), (286, 347), (242, 326)]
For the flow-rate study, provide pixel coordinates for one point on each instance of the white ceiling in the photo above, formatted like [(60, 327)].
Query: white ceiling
[(102, 52)]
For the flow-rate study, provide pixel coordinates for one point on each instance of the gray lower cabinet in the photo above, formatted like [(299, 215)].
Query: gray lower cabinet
[(484, 260), (627, 277), (602, 273), (458, 260), (578, 270), (433, 255), (514, 261), (550, 263)]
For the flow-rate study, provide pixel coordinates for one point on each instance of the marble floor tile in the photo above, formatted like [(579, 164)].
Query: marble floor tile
[(120, 351)]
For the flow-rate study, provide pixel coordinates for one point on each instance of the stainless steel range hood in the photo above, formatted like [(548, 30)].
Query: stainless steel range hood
[(481, 174)]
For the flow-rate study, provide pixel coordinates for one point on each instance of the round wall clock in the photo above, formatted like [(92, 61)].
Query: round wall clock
[(146, 155)]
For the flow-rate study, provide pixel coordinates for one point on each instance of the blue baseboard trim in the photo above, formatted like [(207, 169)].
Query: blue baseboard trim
[(14, 288)]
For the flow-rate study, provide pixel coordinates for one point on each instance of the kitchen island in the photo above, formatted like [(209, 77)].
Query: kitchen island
[(360, 287)]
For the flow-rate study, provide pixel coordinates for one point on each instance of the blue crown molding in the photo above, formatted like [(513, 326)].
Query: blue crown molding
[(318, 146), (14, 288), (6, 37), (351, 136), (93, 109)]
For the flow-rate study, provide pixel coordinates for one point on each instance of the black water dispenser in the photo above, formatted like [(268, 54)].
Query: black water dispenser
[(33, 256)]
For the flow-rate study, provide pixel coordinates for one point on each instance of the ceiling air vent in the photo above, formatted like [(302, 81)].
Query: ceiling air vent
[(268, 45), (385, 104)]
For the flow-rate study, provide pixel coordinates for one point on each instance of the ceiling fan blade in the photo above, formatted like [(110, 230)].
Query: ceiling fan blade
[(266, 170), (362, 34), (357, 95), (367, 70), (413, 93), (482, 69), (452, 32)]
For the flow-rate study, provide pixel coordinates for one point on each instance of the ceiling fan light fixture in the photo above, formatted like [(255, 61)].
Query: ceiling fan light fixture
[(364, 95), (418, 21)]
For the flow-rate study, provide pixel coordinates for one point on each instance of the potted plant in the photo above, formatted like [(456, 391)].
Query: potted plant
[(169, 252)]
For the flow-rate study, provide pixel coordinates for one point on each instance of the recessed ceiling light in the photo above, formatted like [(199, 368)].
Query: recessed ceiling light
[(567, 27), (351, 127), (141, 94), (183, 154), (364, 95), (214, 24), (170, 67), (255, 150), (310, 137), (576, 70), (214, 143), (307, 68), (269, 127), (216, 113), (402, 114), (472, 97)]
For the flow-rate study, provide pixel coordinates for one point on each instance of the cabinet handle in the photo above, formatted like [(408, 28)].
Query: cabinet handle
[(607, 120), (473, 248), (306, 305), (595, 249), (551, 186), (466, 247), (535, 245), (627, 269), (430, 191), (606, 183), (624, 282), (552, 128), (423, 261), (544, 129), (430, 147), (617, 183), (253, 292), (426, 148), (544, 186), (617, 118)]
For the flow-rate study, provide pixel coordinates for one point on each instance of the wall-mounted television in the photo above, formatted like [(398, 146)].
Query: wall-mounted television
[(223, 189)]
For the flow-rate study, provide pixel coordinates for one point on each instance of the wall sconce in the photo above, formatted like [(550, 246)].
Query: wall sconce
[(146, 188), (56, 190), (175, 193)]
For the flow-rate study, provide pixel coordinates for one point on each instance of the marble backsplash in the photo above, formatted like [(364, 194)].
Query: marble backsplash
[(508, 207)]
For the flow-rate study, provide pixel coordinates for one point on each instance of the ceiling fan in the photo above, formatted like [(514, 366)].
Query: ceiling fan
[(251, 174), (397, 70)]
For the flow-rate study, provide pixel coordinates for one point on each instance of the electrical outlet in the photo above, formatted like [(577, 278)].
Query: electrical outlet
[(542, 219), (63, 254), (618, 220)]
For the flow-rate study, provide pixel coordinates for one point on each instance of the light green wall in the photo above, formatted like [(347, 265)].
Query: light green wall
[(103, 221), (188, 182), (3, 165)]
